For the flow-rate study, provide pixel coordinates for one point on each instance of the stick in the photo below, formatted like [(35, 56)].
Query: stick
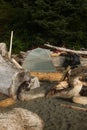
[(67, 50), (16, 64), (73, 107), (66, 73), (10, 49)]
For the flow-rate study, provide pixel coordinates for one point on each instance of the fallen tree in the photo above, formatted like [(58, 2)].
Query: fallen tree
[(67, 50)]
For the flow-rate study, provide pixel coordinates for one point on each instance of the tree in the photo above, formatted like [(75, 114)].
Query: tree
[(60, 22)]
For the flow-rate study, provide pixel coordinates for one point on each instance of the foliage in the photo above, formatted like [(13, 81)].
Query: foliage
[(59, 22)]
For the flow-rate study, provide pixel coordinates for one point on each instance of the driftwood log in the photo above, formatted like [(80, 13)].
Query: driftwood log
[(55, 76), (76, 80), (32, 94), (11, 77), (80, 100), (74, 107), (48, 76), (81, 56), (67, 50), (46, 84), (39, 92), (7, 102), (20, 119)]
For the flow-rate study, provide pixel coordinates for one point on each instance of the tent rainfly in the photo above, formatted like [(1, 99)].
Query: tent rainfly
[(39, 60)]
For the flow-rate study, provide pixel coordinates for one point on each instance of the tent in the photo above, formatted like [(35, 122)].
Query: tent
[(39, 60)]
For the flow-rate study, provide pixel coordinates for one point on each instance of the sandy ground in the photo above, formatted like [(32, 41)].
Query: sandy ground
[(55, 116)]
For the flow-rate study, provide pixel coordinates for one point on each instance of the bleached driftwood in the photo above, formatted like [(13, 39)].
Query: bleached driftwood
[(10, 48), (11, 77), (83, 61), (76, 80), (62, 85), (80, 100), (16, 63), (67, 50), (19, 57), (3, 49), (20, 119)]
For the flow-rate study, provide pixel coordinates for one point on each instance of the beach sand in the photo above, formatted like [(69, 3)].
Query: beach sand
[(55, 116)]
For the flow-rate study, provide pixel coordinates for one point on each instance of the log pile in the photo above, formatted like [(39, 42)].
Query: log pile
[(16, 83), (72, 86)]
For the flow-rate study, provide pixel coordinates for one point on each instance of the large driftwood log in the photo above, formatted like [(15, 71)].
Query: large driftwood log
[(67, 50), (48, 76), (11, 77), (20, 119), (32, 94), (36, 92), (55, 76)]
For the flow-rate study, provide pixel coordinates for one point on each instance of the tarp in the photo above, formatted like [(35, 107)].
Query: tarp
[(39, 60)]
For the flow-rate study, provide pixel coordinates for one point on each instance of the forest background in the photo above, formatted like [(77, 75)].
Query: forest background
[(36, 22)]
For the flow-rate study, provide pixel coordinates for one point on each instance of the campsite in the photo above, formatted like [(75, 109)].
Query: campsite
[(43, 64), (38, 86)]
